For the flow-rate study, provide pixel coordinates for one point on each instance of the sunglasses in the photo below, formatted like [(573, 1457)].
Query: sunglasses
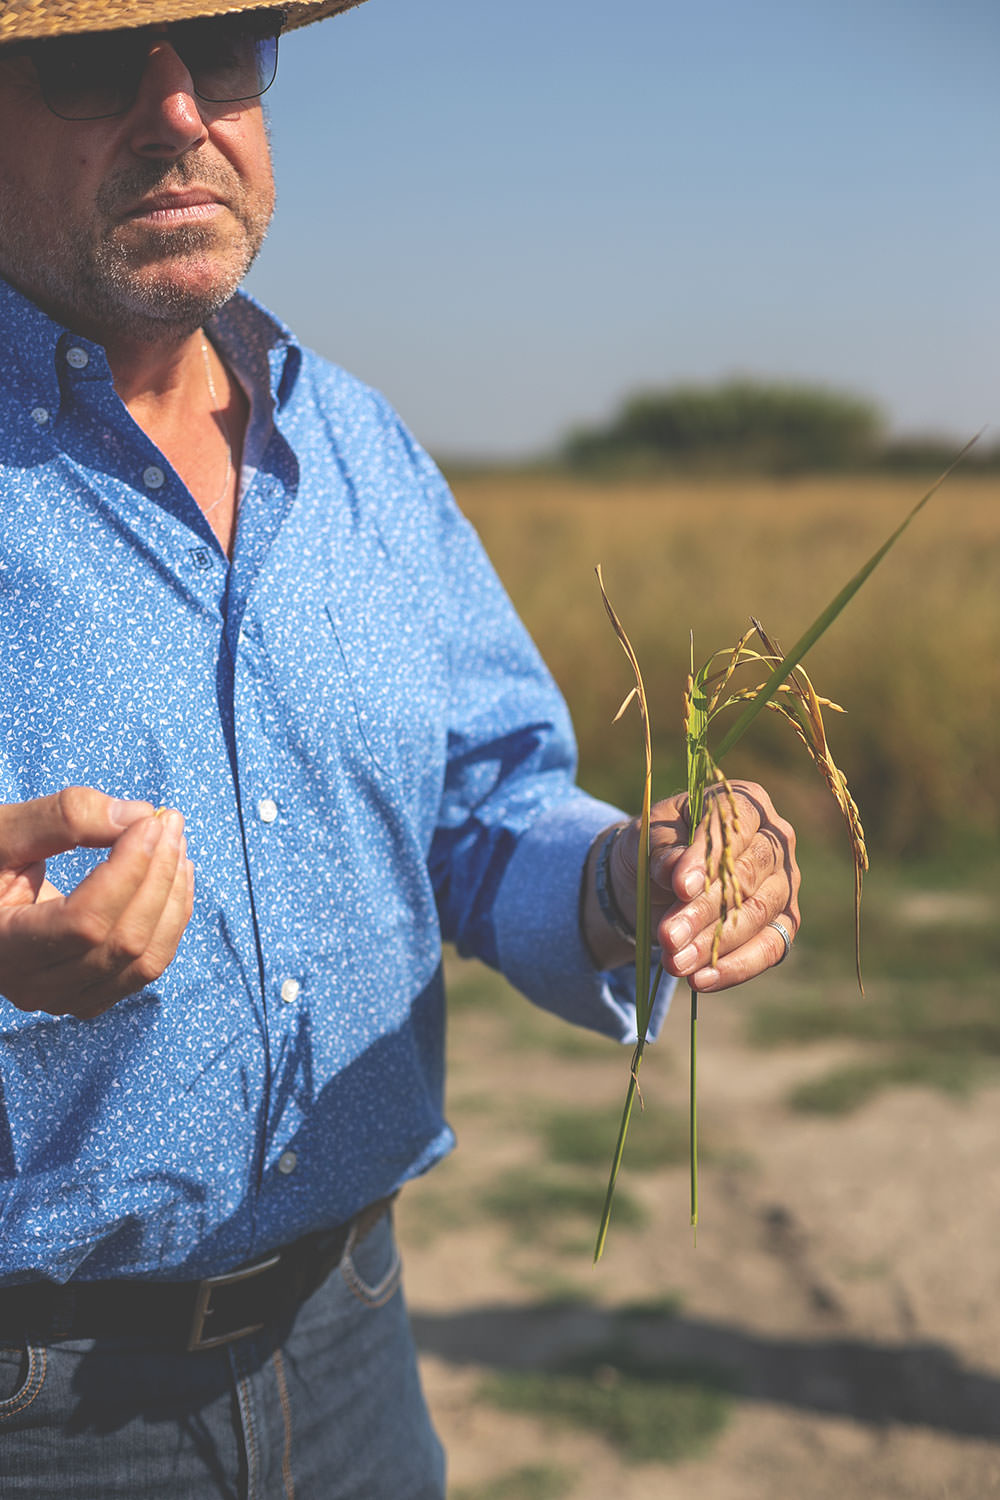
[(97, 75)]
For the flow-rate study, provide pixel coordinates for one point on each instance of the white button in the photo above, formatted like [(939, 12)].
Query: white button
[(40, 415), (153, 477), (267, 810), (287, 1162), (77, 358), (290, 990)]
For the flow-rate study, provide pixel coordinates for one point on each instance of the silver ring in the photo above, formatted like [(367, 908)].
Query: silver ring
[(786, 938)]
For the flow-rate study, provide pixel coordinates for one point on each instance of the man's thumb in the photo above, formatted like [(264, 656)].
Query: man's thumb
[(76, 816)]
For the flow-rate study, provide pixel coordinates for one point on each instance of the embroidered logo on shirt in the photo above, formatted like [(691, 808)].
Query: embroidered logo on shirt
[(201, 557)]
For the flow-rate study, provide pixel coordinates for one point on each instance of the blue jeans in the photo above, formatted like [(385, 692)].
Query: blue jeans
[(328, 1407)]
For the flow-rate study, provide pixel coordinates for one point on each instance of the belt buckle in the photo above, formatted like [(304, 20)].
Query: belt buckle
[(203, 1309)]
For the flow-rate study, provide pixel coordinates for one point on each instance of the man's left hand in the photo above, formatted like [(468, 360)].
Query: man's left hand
[(686, 913)]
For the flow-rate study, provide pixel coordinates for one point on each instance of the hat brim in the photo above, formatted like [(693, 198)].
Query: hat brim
[(31, 20)]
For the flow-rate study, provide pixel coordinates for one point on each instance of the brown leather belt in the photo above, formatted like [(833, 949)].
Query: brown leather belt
[(184, 1314)]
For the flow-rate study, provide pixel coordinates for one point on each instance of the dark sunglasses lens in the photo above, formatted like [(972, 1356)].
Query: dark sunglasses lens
[(89, 78), (97, 76), (228, 63)]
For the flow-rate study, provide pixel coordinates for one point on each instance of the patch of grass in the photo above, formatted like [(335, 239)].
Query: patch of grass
[(876, 1269), (941, 1017), (432, 1208), (586, 1137), (845, 1089), (659, 1413), (542, 1206), (472, 986), (554, 1287), (532, 1482), (565, 1042), (667, 1305)]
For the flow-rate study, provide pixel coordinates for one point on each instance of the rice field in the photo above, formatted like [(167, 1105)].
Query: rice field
[(914, 658)]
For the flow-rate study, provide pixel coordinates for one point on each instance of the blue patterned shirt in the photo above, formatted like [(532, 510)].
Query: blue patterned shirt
[(370, 757)]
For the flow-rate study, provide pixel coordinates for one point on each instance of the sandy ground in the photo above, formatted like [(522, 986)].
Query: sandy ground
[(846, 1273)]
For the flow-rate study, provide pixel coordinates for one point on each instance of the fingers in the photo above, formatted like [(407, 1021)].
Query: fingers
[(763, 951), (761, 847), (745, 946), (753, 809), (764, 871), (672, 865), (24, 885), (111, 936), (668, 835), (76, 816), (158, 945)]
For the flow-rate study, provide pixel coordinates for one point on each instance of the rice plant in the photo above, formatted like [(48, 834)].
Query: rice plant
[(721, 685)]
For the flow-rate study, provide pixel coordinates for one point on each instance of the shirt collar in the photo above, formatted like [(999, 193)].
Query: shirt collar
[(256, 344), (29, 344)]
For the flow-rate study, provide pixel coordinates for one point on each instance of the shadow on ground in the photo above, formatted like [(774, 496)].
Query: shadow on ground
[(913, 1384)]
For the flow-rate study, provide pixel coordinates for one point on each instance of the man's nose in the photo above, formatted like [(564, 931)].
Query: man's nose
[(166, 118)]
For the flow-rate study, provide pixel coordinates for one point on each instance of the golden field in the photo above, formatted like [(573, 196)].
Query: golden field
[(914, 658)]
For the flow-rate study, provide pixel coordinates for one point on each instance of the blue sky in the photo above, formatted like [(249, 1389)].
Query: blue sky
[(509, 216)]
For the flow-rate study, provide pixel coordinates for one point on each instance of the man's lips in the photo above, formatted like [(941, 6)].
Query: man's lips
[(186, 206)]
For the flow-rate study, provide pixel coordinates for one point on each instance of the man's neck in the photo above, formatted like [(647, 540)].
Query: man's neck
[(189, 404), (147, 372)]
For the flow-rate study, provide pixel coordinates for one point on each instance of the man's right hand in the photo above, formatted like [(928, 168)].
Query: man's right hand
[(118, 930)]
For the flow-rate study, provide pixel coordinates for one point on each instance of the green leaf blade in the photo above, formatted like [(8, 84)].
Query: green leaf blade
[(826, 617)]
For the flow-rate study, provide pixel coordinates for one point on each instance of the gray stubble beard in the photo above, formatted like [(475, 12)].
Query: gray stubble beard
[(97, 283)]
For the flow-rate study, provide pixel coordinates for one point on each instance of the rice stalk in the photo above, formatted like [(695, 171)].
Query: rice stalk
[(714, 688), (644, 995)]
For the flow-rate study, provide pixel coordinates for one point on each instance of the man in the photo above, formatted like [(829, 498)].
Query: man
[(233, 585)]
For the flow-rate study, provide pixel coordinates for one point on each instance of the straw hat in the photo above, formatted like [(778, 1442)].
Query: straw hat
[(26, 20)]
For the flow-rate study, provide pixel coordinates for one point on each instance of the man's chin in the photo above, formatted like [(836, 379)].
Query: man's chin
[(167, 293)]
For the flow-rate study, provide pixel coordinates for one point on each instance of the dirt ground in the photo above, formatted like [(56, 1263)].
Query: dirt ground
[(846, 1274)]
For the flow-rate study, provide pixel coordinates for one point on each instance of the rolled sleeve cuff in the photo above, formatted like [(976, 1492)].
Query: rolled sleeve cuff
[(537, 925)]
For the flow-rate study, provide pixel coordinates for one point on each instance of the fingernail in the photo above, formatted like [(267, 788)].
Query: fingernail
[(686, 959), (121, 813), (705, 979), (152, 834), (693, 882), (679, 932)]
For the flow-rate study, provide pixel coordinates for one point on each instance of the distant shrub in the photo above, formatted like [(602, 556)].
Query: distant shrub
[(739, 426), (930, 455)]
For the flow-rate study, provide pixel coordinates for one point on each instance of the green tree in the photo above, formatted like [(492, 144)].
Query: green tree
[(740, 425)]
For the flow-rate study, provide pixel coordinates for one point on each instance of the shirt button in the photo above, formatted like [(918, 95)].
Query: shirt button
[(267, 810), (77, 359), (290, 990), (287, 1162), (40, 416), (153, 477)]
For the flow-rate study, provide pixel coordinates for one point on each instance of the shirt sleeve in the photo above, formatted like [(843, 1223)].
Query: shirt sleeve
[(513, 831)]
